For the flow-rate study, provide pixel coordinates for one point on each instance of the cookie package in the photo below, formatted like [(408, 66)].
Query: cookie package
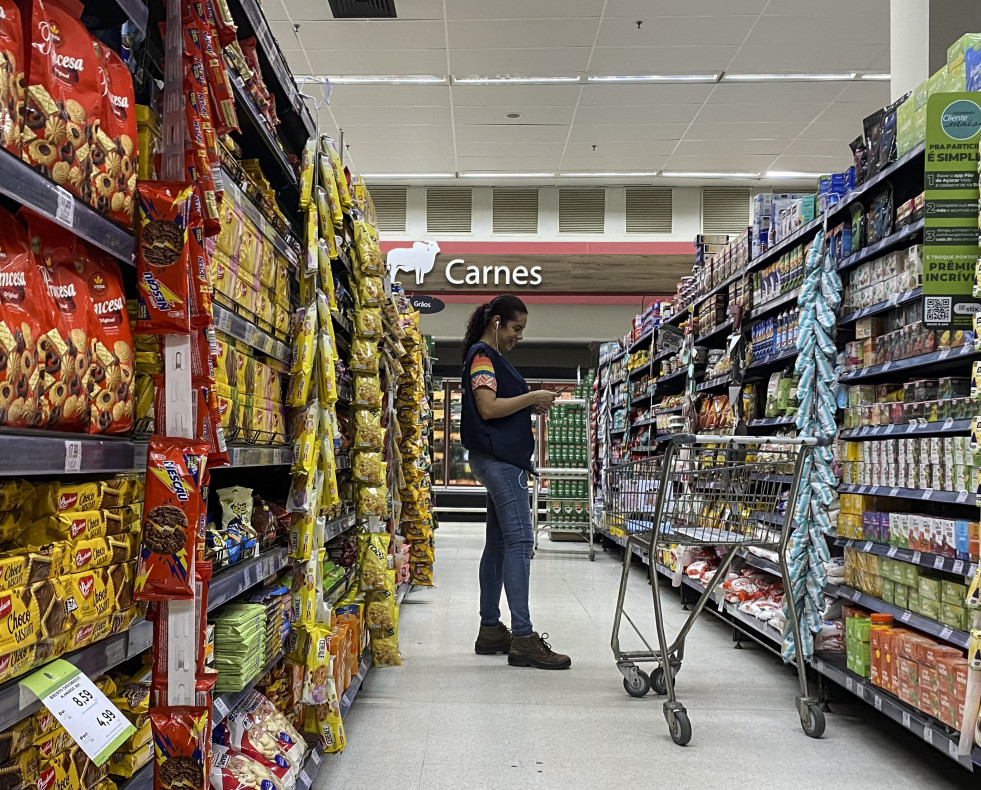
[(171, 514), (182, 740)]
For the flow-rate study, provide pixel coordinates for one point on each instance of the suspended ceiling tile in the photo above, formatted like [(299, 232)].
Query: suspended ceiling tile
[(329, 62), (383, 134), (606, 95), (559, 33), (808, 55), (639, 149), (751, 130), (417, 9), (613, 164), (861, 28), (512, 132), (530, 114), (725, 113), (352, 36), (507, 164), (813, 147), (616, 132), (529, 62), (395, 147), (708, 31), (507, 96), (390, 96), (813, 164), (433, 164), (521, 9), (274, 10), (632, 60), (735, 146), (838, 8), (719, 163), (283, 32), (502, 149), (776, 93), (296, 59), (381, 116), (665, 113), (644, 9), (873, 94)]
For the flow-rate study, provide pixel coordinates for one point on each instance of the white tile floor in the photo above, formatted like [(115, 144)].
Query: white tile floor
[(451, 719)]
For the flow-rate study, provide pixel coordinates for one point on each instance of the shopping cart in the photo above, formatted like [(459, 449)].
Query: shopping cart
[(717, 491)]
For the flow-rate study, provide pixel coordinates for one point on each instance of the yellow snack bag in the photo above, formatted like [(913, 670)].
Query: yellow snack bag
[(368, 468), (368, 323), (367, 391), (326, 274), (364, 356), (308, 162), (302, 526), (329, 183), (313, 236), (304, 345), (326, 322), (372, 291), (327, 383), (328, 147), (372, 501), (373, 549), (368, 431), (331, 496), (305, 432), (421, 573), (369, 252), (15, 493), (325, 719)]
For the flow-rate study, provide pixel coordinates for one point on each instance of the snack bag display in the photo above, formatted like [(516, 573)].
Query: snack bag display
[(368, 468), (364, 356), (369, 253), (231, 770), (324, 719), (368, 432), (373, 551), (305, 432), (11, 76), (327, 373), (329, 183), (328, 147), (63, 102), (368, 323), (171, 512), (162, 259), (372, 501), (258, 730), (313, 235), (182, 740), (304, 346), (25, 315), (308, 164), (114, 153), (326, 251)]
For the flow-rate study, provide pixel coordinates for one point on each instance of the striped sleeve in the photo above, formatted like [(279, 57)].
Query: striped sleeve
[(482, 373)]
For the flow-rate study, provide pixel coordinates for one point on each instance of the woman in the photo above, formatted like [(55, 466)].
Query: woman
[(496, 429)]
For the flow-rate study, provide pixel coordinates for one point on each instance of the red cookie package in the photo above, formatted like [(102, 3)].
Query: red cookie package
[(163, 258), (182, 740), (11, 76), (172, 509)]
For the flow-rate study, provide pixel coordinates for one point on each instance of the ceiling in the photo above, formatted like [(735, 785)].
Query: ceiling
[(593, 127)]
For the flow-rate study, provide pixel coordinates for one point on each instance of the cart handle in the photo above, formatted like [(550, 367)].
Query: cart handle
[(708, 438)]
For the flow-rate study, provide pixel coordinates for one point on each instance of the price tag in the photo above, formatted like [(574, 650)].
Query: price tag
[(892, 552), (73, 455), (928, 735), (96, 725), (315, 757), (221, 708), (304, 779), (867, 546), (916, 558), (952, 748), (905, 617), (938, 563), (948, 424), (850, 685), (926, 493), (893, 491), (946, 632), (958, 567), (887, 367), (962, 497), (878, 702), (65, 210)]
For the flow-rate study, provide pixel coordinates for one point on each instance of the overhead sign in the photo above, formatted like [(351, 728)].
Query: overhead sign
[(950, 234), (420, 260), (427, 304)]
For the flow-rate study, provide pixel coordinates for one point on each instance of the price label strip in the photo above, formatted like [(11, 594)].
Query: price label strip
[(96, 725)]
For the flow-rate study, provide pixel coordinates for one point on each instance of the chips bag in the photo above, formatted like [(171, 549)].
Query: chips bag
[(258, 730), (231, 770), (364, 356), (373, 550), (372, 501), (304, 346), (324, 255), (171, 514), (369, 252), (163, 258), (329, 183), (313, 236), (308, 164), (368, 323), (368, 431), (305, 432), (327, 146), (367, 391)]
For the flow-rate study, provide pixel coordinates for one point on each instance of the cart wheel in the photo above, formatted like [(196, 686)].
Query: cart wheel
[(680, 728), (640, 687), (657, 681), (814, 724)]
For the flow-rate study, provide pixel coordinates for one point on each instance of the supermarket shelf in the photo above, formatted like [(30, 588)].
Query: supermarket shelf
[(776, 356), (922, 494), (49, 453), (613, 358), (677, 318), (714, 333), (786, 244), (934, 358), (935, 561), (141, 780), (642, 341), (259, 455), (249, 116), (831, 666), (762, 563), (92, 660), (678, 374), (880, 307), (26, 186), (255, 214), (785, 480), (136, 12), (245, 575), (773, 519), (911, 429), (226, 702), (339, 589), (645, 398), (401, 591), (352, 691), (713, 383), (671, 410), (724, 284), (883, 245), (618, 431), (668, 352), (773, 304), (770, 422), (925, 624), (644, 448), (869, 185), (308, 774), (247, 332), (338, 527)]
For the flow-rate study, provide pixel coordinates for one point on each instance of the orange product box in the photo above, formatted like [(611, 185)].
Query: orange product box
[(909, 671), (951, 709), (928, 678), (952, 671), (933, 652), (909, 644), (888, 666), (974, 539), (908, 691), (929, 702)]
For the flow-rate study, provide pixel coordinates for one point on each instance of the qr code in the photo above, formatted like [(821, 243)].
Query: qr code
[(937, 309)]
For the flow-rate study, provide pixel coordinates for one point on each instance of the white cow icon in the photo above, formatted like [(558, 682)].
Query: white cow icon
[(419, 258)]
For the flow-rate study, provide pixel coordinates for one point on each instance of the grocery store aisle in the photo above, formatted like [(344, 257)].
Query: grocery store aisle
[(449, 718)]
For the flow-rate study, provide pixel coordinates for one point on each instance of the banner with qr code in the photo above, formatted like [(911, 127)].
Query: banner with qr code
[(950, 232)]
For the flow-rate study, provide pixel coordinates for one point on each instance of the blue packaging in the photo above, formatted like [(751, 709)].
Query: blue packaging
[(962, 540), (850, 179), (972, 63), (824, 185), (838, 183)]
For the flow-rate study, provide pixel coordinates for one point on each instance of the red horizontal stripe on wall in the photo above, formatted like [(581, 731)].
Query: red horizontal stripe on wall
[(555, 247), (539, 298)]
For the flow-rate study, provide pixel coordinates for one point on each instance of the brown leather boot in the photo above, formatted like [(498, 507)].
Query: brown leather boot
[(493, 639), (534, 651)]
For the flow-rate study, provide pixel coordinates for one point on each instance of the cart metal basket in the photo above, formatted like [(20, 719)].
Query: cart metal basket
[(717, 491)]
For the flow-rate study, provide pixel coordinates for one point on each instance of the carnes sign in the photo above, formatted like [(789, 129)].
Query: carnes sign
[(420, 259)]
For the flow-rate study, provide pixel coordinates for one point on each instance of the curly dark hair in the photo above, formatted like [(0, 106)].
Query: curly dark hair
[(506, 306)]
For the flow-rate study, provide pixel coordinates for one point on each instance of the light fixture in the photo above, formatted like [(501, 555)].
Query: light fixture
[(593, 174), (877, 77), (508, 80), (507, 175), (389, 79), (686, 174), (775, 174), (655, 78), (395, 176), (789, 77)]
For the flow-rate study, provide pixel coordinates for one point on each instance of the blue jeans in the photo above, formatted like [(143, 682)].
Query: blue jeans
[(506, 561)]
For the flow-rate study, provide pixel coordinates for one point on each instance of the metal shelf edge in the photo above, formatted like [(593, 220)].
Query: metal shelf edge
[(961, 567), (245, 575)]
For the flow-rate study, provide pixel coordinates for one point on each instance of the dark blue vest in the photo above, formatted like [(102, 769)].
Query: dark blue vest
[(507, 439)]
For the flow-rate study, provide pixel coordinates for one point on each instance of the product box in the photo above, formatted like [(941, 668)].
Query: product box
[(930, 587), (951, 708), (955, 616), (928, 701), (952, 673)]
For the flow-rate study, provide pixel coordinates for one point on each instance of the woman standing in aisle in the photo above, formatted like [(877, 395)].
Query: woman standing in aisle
[(496, 429)]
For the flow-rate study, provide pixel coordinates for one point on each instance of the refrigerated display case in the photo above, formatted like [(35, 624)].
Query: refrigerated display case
[(439, 439)]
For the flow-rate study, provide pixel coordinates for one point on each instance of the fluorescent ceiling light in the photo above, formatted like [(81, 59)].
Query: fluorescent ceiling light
[(879, 77), (791, 174), (655, 78), (609, 175), (510, 80), (407, 175), (507, 175), (386, 79), (670, 174), (789, 77)]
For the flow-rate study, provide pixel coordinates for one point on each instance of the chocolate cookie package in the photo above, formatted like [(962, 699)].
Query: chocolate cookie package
[(182, 747)]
